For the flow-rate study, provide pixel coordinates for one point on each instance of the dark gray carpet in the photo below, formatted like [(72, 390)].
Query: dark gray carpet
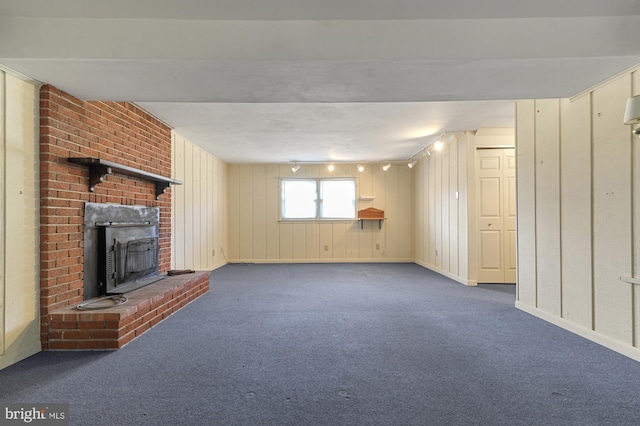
[(346, 344)]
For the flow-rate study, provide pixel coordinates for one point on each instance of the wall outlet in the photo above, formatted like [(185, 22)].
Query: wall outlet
[(436, 253), (213, 252), (326, 247), (377, 246)]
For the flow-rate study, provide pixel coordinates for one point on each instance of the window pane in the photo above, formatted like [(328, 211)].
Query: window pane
[(299, 199), (338, 199)]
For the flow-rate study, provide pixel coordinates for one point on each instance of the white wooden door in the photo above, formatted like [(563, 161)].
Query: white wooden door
[(496, 215)]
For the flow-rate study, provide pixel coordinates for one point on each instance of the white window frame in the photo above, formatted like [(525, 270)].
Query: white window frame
[(318, 182)]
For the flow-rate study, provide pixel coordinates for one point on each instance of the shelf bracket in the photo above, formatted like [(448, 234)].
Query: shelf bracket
[(97, 175), (99, 169), (362, 223), (161, 188)]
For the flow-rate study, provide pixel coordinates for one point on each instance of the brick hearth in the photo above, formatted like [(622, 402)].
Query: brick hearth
[(114, 327)]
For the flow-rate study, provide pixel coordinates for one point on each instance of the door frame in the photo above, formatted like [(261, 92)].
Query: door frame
[(472, 231)]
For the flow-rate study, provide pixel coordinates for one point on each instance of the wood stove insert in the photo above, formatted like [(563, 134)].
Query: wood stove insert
[(121, 248)]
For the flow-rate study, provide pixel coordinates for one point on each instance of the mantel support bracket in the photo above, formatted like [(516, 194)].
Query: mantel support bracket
[(161, 188), (99, 169), (97, 175)]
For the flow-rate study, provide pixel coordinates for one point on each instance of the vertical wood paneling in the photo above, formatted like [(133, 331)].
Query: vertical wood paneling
[(394, 207), (188, 201), (178, 205), (339, 241), (286, 241), (196, 212), (19, 231), (419, 208), (636, 214), (453, 207), (576, 210), (442, 222), (205, 253), (3, 202), (326, 240), (285, 229), (353, 241), (526, 195), (438, 208), (365, 244), (612, 233), (223, 211), (272, 233), (353, 229), (245, 212), (199, 227), (472, 215), (463, 211), (213, 249), (547, 187), (380, 189), (404, 214), (426, 206), (444, 232), (259, 206), (234, 206), (431, 217), (299, 239), (313, 241), (599, 178)]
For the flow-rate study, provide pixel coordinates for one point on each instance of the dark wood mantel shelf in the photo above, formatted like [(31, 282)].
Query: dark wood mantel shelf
[(99, 168)]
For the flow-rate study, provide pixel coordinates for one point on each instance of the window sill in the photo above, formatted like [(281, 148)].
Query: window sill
[(315, 220)]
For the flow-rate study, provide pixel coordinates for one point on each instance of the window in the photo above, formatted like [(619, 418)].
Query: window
[(318, 198)]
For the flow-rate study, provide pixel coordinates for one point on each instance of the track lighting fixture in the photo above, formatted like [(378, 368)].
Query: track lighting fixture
[(386, 167), (331, 167), (361, 168), (412, 163), (295, 168)]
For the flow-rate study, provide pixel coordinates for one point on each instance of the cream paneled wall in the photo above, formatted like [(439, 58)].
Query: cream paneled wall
[(578, 169), (441, 222), (257, 235), (19, 220), (199, 214), (445, 200)]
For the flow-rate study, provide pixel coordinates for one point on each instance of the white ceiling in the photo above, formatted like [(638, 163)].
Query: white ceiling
[(307, 80)]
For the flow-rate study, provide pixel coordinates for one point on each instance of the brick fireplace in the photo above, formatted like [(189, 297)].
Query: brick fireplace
[(117, 132)]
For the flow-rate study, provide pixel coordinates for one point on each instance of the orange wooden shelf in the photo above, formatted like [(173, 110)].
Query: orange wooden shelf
[(371, 213)]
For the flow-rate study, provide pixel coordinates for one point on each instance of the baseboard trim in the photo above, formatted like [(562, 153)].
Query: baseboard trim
[(461, 280), (332, 260), (608, 342)]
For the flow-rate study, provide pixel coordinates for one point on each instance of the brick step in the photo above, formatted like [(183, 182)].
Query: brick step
[(114, 327)]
